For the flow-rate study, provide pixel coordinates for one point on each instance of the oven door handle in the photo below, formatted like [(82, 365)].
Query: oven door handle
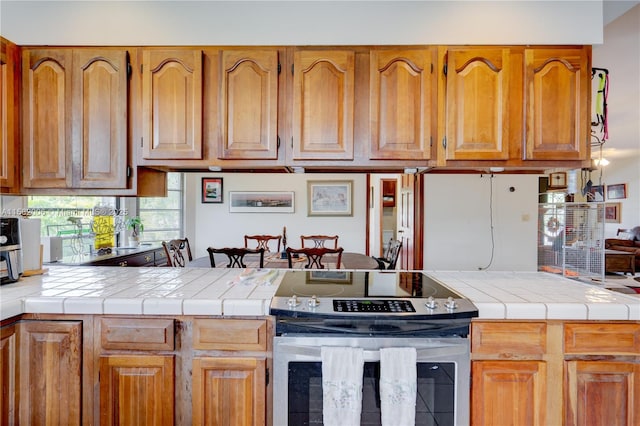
[(434, 350)]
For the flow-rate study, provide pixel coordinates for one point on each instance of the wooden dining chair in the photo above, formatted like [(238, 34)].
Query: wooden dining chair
[(236, 256), (314, 256), (391, 254), (262, 241), (176, 250), (318, 240)]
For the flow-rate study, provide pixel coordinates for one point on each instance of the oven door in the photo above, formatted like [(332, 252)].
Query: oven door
[(443, 373)]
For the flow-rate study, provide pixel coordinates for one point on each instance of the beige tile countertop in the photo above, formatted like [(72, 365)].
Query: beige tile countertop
[(207, 291)]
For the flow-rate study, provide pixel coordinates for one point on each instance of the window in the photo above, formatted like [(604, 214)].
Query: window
[(162, 217), (72, 218)]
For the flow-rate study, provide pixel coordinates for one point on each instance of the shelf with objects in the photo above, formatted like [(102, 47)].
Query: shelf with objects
[(571, 239)]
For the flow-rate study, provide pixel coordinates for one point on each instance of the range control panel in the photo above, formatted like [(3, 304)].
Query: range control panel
[(373, 305)]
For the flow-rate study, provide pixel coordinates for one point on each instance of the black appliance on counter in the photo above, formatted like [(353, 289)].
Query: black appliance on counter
[(10, 250), (371, 310)]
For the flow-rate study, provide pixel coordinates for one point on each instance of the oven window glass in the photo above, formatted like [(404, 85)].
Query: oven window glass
[(434, 406)]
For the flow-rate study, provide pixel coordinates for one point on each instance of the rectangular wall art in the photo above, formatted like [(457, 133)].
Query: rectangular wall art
[(261, 202)]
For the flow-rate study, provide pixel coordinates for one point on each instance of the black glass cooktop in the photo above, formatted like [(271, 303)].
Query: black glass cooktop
[(338, 284)]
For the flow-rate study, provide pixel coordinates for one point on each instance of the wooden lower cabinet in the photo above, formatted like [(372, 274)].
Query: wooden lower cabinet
[(137, 390), (229, 391), (8, 372), (50, 372), (555, 373)]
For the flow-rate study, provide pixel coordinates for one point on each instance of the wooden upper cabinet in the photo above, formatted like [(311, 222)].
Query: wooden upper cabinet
[(99, 127), (75, 118), (557, 83), (323, 104), (249, 104), (402, 103), (172, 104), (9, 116), (47, 118), (478, 95)]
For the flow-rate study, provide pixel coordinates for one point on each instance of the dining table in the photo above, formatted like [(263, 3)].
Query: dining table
[(350, 260)]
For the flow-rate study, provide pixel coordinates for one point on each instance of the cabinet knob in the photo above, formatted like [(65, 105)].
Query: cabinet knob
[(123, 263), (147, 258)]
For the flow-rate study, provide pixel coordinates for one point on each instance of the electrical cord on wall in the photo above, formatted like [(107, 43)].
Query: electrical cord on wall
[(493, 241)]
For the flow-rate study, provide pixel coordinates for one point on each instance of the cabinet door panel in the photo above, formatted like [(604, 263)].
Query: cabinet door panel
[(100, 118), (229, 391), (509, 393), (172, 104), (249, 104), (477, 104), (9, 117), (137, 390), (401, 104), (8, 370), (323, 93), (599, 392), (46, 118), (50, 372), (557, 82)]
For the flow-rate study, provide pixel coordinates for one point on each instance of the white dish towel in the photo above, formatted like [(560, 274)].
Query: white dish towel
[(398, 384), (342, 370)]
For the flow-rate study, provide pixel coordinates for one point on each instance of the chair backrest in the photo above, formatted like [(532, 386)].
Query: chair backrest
[(393, 253), (235, 256), (318, 240), (314, 256), (262, 241), (176, 250)]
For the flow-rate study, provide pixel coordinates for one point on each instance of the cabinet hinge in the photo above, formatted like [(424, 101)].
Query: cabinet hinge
[(278, 142), (430, 141), (431, 68), (291, 142), (444, 69), (291, 69), (444, 142), (141, 68), (129, 70), (128, 171), (279, 68), (266, 377), (141, 142)]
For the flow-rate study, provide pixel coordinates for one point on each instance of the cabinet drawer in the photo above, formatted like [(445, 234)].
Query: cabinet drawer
[(227, 334), (137, 333), (142, 259), (605, 338), (509, 338), (160, 258)]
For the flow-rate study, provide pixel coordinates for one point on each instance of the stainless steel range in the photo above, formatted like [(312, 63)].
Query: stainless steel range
[(370, 310)]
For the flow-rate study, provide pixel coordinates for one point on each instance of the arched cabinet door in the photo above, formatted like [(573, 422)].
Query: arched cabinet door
[(402, 107), (172, 104), (323, 104), (249, 104), (478, 99), (557, 84)]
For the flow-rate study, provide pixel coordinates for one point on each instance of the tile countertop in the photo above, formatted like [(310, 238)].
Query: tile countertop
[(206, 291)]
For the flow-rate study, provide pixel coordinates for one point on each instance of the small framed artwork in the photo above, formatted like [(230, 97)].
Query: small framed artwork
[(595, 193), (330, 198), (212, 190), (612, 212), (261, 202), (558, 180), (617, 191)]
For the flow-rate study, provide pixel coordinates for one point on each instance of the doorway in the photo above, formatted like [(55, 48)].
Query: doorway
[(396, 212)]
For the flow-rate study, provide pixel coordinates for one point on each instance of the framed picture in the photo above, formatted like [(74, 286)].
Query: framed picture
[(261, 202), (212, 190), (596, 193), (617, 191), (558, 180), (330, 198), (612, 212)]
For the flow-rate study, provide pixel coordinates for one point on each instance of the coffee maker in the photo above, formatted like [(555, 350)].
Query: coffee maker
[(10, 250)]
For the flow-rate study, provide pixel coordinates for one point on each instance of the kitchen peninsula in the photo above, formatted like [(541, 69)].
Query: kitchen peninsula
[(186, 327)]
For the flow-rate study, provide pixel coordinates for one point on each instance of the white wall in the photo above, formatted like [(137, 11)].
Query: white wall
[(301, 22), (458, 225), (212, 224)]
